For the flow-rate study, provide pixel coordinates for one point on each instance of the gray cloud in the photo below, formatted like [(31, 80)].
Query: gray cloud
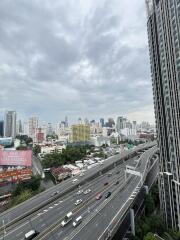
[(74, 58)]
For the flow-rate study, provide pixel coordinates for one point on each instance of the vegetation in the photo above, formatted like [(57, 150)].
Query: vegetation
[(36, 149), (68, 155), (24, 139), (53, 136), (22, 147), (152, 222), (25, 190)]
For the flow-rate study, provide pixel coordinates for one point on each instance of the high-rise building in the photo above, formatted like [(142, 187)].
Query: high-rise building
[(10, 124), (111, 122), (164, 44), (33, 125), (66, 122), (120, 123), (102, 122), (1, 128), (19, 129), (80, 133)]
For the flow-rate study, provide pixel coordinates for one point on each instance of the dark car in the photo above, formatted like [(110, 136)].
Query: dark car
[(106, 183), (117, 182), (108, 194), (117, 172)]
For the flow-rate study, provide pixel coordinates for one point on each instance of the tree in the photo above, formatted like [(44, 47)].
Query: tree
[(150, 236), (24, 139), (21, 147), (36, 150), (150, 205)]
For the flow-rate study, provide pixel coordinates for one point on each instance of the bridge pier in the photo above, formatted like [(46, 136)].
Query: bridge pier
[(132, 221), (146, 189)]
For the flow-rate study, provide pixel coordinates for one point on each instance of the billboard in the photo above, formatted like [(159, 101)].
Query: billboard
[(16, 174), (16, 158)]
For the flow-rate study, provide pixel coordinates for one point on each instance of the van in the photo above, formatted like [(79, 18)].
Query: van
[(77, 221), (31, 234), (67, 219)]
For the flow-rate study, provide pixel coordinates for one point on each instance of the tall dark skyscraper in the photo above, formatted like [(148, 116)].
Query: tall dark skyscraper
[(164, 45), (1, 128), (10, 124)]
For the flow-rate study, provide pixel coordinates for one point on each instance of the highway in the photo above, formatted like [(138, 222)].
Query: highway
[(56, 210), (93, 227), (31, 205)]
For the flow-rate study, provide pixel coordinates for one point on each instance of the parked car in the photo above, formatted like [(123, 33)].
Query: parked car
[(106, 183)]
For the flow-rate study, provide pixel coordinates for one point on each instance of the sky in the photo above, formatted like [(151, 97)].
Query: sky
[(75, 58)]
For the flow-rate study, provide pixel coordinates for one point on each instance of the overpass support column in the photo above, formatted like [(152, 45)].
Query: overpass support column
[(146, 189), (132, 221)]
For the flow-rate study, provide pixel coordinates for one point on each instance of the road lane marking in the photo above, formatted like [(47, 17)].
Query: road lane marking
[(19, 234)]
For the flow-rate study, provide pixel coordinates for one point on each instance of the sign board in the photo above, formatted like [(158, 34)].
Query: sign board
[(16, 158)]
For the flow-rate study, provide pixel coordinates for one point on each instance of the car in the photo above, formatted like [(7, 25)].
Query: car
[(54, 193), (87, 191), (117, 182), (74, 180), (79, 192), (109, 174), (79, 201), (106, 183), (98, 196), (117, 172), (67, 219), (108, 194), (31, 234), (77, 221), (81, 174)]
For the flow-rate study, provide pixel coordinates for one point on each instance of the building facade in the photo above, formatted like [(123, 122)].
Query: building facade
[(164, 44), (80, 133), (10, 124), (33, 125)]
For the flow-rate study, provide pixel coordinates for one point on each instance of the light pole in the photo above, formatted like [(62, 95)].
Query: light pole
[(4, 229)]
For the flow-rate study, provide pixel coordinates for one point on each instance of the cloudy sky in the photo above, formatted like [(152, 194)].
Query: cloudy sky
[(80, 58)]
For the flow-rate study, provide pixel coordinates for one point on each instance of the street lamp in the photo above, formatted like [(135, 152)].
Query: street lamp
[(4, 229)]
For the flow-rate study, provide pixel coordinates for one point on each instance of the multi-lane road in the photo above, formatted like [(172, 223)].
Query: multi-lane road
[(51, 213), (45, 212)]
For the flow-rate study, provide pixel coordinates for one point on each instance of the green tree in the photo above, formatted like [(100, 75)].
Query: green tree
[(149, 236), (21, 147), (36, 150), (150, 205), (23, 196)]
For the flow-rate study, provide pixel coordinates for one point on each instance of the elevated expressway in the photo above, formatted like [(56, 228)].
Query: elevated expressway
[(44, 213)]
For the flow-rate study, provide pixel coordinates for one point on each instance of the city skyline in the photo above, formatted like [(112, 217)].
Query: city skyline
[(56, 78)]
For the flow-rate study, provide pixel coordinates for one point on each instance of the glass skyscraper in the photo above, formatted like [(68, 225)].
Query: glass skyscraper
[(164, 46)]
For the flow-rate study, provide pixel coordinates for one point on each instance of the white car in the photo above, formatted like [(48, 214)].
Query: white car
[(74, 180), (87, 191), (79, 192), (78, 202)]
